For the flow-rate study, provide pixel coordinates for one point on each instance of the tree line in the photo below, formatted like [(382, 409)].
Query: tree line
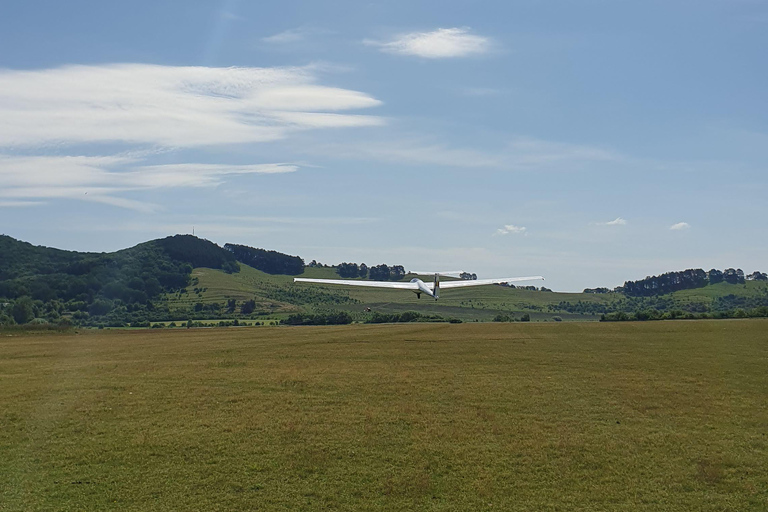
[(676, 314), (682, 280), (381, 272), (271, 262)]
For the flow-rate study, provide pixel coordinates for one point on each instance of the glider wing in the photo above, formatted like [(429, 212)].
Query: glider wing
[(351, 282), (480, 282)]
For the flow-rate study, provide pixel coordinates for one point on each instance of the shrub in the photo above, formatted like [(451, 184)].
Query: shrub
[(23, 310)]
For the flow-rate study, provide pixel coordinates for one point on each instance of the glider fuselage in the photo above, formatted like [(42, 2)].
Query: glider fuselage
[(423, 288)]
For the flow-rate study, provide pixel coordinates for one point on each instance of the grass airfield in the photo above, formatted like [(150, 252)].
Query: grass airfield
[(590, 416)]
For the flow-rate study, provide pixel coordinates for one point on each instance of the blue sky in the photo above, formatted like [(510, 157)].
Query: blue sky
[(589, 141)]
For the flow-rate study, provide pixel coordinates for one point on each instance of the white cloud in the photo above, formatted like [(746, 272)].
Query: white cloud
[(285, 37), (511, 228), (169, 106), (680, 226), (193, 175), (293, 35), (438, 44), (618, 221), (102, 179), (152, 109)]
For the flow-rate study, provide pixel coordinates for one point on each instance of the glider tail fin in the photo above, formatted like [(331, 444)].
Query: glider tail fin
[(436, 288)]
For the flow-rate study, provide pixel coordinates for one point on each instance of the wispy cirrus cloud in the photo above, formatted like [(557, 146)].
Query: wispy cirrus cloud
[(287, 36), (169, 105), (511, 229), (406, 151), (146, 109), (680, 226), (294, 35), (19, 204), (102, 179), (229, 225), (442, 43), (618, 221), (520, 153)]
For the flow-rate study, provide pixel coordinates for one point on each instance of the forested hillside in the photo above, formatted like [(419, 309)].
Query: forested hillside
[(382, 272), (271, 262), (50, 282), (687, 280)]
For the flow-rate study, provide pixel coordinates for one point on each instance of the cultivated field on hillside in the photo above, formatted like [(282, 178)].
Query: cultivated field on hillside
[(277, 296), (569, 416)]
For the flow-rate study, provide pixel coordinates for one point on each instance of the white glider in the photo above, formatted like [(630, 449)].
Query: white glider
[(418, 286)]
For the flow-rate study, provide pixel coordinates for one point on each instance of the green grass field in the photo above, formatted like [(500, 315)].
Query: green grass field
[(708, 293), (570, 416), (218, 286)]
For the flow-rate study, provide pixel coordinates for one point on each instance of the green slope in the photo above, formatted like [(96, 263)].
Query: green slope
[(709, 293), (273, 294), (276, 294)]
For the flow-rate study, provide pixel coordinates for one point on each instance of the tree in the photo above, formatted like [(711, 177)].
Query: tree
[(363, 270), (733, 276), (666, 283), (757, 276), (349, 270), (230, 267), (379, 272), (715, 276), (248, 307), (100, 307), (23, 310)]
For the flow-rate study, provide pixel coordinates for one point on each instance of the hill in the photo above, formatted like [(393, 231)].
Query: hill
[(185, 278), (51, 282)]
